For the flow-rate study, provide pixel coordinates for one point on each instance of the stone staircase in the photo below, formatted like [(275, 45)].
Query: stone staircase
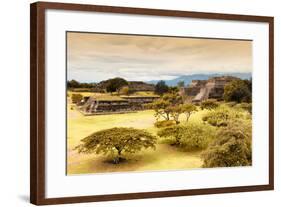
[(202, 95)]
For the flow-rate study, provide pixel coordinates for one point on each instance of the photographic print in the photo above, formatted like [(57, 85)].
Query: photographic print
[(148, 103), (121, 94)]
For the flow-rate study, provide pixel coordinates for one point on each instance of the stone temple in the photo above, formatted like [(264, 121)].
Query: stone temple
[(213, 88)]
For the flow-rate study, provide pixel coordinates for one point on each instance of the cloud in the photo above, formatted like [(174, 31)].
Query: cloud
[(94, 57)]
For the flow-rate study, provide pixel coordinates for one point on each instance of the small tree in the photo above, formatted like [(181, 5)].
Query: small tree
[(209, 105), (73, 84), (188, 109), (76, 98), (116, 142), (237, 90), (173, 98), (181, 84), (173, 89), (176, 112), (161, 88), (115, 84), (232, 147), (161, 108)]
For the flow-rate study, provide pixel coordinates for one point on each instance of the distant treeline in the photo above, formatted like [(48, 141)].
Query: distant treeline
[(76, 84), (119, 84)]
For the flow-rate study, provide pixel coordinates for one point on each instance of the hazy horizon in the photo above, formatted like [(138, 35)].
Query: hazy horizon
[(95, 57), (174, 77)]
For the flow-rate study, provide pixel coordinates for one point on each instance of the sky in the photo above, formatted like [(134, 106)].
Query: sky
[(93, 57)]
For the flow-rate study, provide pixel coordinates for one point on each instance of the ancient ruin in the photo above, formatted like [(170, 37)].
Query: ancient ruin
[(114, 104), (212, 88)]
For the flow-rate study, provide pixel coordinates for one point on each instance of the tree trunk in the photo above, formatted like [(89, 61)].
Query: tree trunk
[(116, 160), (177, 141), (187, 117), (168, 117)]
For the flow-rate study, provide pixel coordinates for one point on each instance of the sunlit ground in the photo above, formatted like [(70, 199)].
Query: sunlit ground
[(165, 157)]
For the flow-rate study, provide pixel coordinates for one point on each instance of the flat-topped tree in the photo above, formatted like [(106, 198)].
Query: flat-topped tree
[(117, 141)]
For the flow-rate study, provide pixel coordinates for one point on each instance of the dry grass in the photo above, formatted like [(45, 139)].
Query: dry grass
[(164, 157)]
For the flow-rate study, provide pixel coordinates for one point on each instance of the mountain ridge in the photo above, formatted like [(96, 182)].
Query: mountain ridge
[(188, 78)]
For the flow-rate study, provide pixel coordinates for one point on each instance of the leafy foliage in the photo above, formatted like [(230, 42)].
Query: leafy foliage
[(232, 147), (116, 141), (188, 109), (209, 105), (115, 84), (162, 124), (124, 90), (173, 98), (221, 116), (171, 105), (161, 88), (175, 112), (180, 84), (76, 98), (75, 84), (238, 90), (161, 108), (188, 137), (245, 106)]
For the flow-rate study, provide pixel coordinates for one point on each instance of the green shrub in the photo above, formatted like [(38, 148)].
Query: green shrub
[(217, 118), (165, 123), (232, 146), (221, 116), (76, 98), (209, 105), (238, 91), (196, 137), (188, 137)]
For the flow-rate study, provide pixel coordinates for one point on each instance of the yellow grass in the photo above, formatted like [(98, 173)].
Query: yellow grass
[(165, 157), (111, 95)]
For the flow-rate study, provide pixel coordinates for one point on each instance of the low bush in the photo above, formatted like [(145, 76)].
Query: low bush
[(245, 106), (188, 137), (209, 105), (217, 118), (232, 146), (76, 98), (165, 123), (221, 116), (230, 104)]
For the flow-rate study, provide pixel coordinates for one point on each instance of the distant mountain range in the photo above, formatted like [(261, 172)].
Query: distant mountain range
[(188, 78)]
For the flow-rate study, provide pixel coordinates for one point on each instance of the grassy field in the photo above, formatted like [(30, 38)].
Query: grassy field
[(165, 157)]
